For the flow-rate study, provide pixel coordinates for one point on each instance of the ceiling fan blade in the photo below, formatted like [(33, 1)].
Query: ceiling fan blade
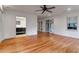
[(49, 11), (43, 11), (38, 10), (51, 8)]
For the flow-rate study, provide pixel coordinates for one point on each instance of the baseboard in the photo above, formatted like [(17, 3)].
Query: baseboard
[(32, 35), (63, 35), (66, 36)]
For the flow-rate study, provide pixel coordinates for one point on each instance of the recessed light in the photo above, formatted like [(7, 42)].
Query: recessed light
[(69, 9)]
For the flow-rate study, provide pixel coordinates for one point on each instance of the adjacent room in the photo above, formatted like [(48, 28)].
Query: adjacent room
[(39, 29), (20, 26)]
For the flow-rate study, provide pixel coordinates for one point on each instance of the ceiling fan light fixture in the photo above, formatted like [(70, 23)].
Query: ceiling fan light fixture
[(69, 9)]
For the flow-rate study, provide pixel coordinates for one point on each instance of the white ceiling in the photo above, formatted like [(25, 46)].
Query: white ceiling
[(31, 9)]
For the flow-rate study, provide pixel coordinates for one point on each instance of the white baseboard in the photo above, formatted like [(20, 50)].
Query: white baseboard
[(67, 35)]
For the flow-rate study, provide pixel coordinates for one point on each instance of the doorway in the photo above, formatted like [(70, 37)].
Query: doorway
[(20, 26), (40, 24), (48, 26)]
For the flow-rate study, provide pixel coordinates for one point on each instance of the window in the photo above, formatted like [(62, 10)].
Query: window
[(72, 23)]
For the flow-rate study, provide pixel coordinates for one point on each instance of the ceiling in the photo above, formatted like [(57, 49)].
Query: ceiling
[(31, 9)]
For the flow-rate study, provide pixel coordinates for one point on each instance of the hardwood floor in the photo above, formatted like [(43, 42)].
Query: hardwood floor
[(42, 43)]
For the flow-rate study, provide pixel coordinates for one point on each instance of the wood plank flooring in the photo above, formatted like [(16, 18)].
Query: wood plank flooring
[(42, 43)]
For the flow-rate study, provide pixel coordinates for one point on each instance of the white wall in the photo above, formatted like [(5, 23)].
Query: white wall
[(9, 23), (60, 25), (31, 25), (1, 27)]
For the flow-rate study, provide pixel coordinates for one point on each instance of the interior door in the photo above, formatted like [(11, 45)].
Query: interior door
[(48, 25), (40, 23)]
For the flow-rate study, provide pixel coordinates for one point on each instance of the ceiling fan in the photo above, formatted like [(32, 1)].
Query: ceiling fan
[(45, 8)]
